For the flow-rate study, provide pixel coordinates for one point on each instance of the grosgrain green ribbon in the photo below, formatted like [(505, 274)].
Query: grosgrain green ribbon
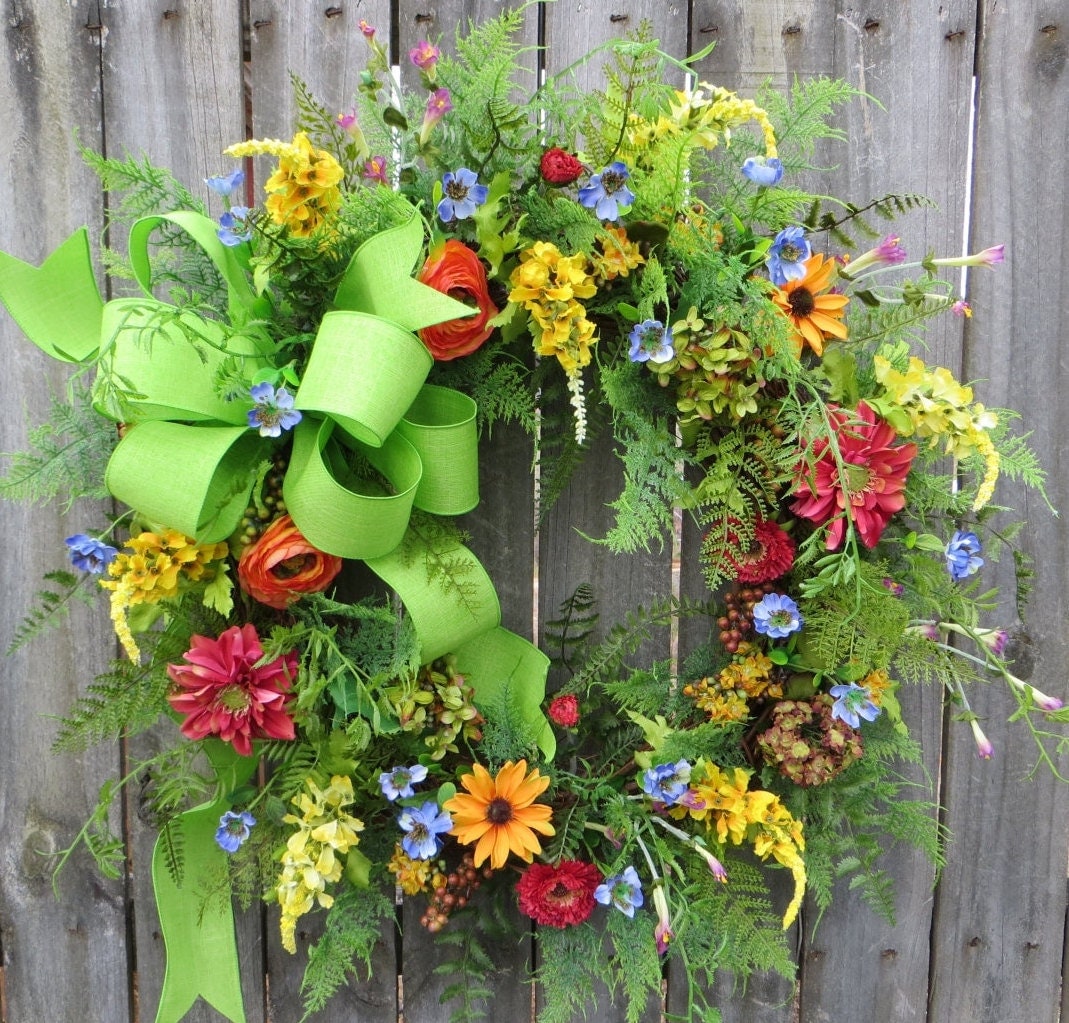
[(197, 923)]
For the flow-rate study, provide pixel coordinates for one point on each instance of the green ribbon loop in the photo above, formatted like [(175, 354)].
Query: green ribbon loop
[(383, 365), (196, 479), (197, 924)]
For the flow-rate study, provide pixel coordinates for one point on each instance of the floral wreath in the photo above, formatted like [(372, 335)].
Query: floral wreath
[(313, 393)]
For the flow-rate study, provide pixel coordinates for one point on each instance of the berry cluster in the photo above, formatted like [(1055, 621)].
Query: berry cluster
[(737, 620), (453, 892), (260, 514)]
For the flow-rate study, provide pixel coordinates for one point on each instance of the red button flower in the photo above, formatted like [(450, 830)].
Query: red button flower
[(222, 692), (559, 167)]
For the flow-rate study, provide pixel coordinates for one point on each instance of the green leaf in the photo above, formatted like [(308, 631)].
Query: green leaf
[(218, 594)]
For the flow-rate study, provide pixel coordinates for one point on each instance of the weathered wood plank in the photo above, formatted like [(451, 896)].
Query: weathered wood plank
[(999, 930), (183, 63), (64, 958)]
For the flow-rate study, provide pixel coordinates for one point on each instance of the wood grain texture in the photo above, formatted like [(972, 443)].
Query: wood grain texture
[(998, 933), (65, 957)]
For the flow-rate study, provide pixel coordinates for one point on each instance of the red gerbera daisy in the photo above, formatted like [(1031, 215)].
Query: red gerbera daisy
[(559, 896), (769, 555), (871, 488), (223, 692)]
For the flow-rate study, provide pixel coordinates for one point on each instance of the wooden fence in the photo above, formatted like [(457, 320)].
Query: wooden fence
[(986, 943)]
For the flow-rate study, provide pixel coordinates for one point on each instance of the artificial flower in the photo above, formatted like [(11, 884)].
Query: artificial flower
[(991, 256), (852, 703), (439, 103), (422, 827), (775, 615), (224, 691), (234, 830), (888, 253), (624, 891), (607, 191), (786, 258), (498, 813), (564, 710), (413, 876), (424, 55), (984, 749), (962, 308), (234, 226), (281, 566), (454, 269), (650, 341), (767, 556), (814, 314), (762, 170), (617, 255), (560, 895), (226, 184), (558, 167), (963, 555), (88, 554), (375, 170), (397, 783), (463, 195), (272, 411), (662, 933), (666, 783), (875, 470)]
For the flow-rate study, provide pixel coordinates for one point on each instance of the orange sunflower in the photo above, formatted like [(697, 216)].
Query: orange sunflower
[(500, 813), (814, 315)]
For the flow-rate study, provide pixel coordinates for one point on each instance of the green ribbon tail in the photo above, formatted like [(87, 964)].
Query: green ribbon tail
[(198, 928)]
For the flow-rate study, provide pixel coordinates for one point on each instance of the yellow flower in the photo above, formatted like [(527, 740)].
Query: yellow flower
[(499, 813), (618, 257), (304, 191), (413, 876)]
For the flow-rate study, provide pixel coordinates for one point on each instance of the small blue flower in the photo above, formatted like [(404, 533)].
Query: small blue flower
[(274, 411), (233, 226), (422, 828), (762, 171), (852, 703), (397, 784), (606, 190), (234, 828), (651, 341), (624, 891), (786, 258), (88, 554), (666, 783), (963, 555), (463, 195), (776, 616), (225, 184)]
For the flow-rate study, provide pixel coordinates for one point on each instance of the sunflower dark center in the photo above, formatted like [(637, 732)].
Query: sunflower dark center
[(802, 303), (499, 811)]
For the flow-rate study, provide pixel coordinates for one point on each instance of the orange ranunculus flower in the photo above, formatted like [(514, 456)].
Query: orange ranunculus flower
[(282, 565), (453, 269)]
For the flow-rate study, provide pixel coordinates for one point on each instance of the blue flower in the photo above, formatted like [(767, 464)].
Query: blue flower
[(397, 784), (233, 829), (233, 227), (422, 828), (463, 195), (225, 184), (624, 891), (274, 411), (651, 341), (776, 616), (963, 555), (88, 554), (852, 703), (666, 783), (606, 190), (762, 171), (786, 258)]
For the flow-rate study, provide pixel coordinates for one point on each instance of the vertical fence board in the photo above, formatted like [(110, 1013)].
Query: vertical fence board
[(183, 63), (999, 931), (63, 958)]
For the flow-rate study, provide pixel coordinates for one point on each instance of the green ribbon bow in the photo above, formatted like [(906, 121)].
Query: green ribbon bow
[(186, 460)]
